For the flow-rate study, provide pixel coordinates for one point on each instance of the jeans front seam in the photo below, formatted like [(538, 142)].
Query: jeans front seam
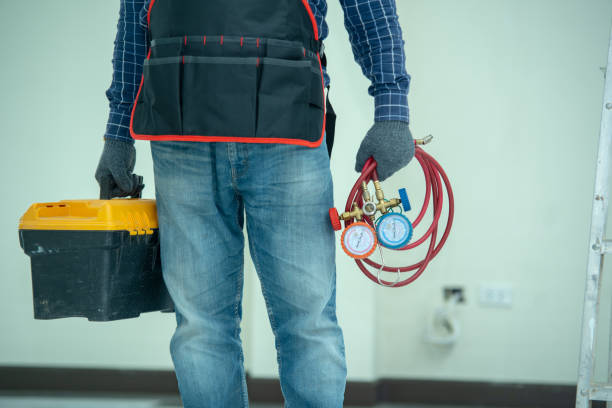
[(236, 171)]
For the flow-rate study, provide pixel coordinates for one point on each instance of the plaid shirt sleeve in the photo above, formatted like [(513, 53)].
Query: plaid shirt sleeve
[(128, 57), (378, 47)]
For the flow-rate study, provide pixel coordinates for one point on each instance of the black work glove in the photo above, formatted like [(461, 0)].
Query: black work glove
[(114, 172), (391, 145)]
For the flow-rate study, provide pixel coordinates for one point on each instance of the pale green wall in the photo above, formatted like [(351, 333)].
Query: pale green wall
[(510, 89), (513, 91)]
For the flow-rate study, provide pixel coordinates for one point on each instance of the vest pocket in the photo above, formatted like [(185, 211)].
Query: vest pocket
[(230, 97), (219, 96), (283, 100), (315, 105), (157, 110)]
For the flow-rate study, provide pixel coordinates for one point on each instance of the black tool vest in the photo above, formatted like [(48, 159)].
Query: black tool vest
[(231, 70)]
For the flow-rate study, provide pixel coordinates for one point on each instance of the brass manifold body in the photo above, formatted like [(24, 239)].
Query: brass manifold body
[(369, 206)]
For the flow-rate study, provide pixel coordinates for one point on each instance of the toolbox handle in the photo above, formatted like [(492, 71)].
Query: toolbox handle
[(108, 188)]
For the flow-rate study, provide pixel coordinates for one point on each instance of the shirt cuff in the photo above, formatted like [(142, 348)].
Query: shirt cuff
[(391, 106), (118, 126)]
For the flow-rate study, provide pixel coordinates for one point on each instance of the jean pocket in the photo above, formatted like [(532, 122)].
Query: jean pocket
[(219, 96), (283, 100), (157, 110)]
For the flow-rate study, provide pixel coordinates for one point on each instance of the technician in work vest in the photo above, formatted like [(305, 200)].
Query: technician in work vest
[(231, 70)]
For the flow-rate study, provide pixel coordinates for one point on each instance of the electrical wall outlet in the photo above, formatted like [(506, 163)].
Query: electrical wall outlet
[(449, 291), (496, 295)]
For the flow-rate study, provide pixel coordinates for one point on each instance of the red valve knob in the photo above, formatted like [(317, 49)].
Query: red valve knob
[(335, 219)]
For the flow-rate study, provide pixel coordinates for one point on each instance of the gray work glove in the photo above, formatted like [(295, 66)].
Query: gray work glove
[(114, 172), (391, 145)]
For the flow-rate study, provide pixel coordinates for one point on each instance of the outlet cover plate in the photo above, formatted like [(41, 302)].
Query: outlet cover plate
[(496, 295)]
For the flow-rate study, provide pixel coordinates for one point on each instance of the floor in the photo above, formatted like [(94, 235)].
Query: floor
[(100, 401)]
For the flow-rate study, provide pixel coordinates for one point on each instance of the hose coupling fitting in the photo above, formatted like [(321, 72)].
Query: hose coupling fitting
[(426, 140)]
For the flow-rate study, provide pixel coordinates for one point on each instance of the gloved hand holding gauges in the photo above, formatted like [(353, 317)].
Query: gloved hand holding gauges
[(388, 147)]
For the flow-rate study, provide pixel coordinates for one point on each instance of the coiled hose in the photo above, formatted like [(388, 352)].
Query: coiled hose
[(436, 181)]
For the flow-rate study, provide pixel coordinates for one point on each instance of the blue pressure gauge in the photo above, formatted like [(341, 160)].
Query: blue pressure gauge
[(394, 230)]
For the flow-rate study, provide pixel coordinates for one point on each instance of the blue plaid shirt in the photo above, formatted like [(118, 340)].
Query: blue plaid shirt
[(374, 33)]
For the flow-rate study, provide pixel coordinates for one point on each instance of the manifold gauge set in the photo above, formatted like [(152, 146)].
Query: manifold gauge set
[(369, 225)]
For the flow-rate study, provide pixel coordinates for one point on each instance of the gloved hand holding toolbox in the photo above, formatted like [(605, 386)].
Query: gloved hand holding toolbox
[(97, 259)]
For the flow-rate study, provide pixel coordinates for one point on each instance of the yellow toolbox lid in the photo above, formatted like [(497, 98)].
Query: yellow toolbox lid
[(135, 215)]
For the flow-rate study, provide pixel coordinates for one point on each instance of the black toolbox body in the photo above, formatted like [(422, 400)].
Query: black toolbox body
[(102, 275)]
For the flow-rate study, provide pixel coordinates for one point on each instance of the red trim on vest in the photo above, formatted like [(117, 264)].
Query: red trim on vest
[(187, 138), (315, 28), (149, 13), (138, 96)]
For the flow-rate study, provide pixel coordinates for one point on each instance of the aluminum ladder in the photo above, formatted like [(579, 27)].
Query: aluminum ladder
[(587, 390)]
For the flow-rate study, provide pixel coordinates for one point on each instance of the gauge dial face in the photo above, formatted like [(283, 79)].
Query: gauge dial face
[(394, 230), (359, 240)]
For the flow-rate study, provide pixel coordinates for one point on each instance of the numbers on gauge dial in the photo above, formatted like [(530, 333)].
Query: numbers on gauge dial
[(359, 240), (394, 230)]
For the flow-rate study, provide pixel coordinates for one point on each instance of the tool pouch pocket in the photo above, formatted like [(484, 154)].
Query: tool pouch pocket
[(231, 96), (158, 107), (219, 96), (288, 106)]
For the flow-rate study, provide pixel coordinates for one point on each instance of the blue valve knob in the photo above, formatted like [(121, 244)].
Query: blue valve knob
[(404, 198)]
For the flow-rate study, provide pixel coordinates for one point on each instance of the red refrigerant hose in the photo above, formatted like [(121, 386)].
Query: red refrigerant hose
[(434, 177)]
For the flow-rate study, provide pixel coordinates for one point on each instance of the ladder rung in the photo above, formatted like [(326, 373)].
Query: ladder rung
[(601, 392), (605, 247)]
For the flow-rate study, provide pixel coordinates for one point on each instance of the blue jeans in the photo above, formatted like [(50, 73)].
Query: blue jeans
[(203, 190)]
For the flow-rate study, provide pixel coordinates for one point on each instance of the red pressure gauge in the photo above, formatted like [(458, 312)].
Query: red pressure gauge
[(359, 240)]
